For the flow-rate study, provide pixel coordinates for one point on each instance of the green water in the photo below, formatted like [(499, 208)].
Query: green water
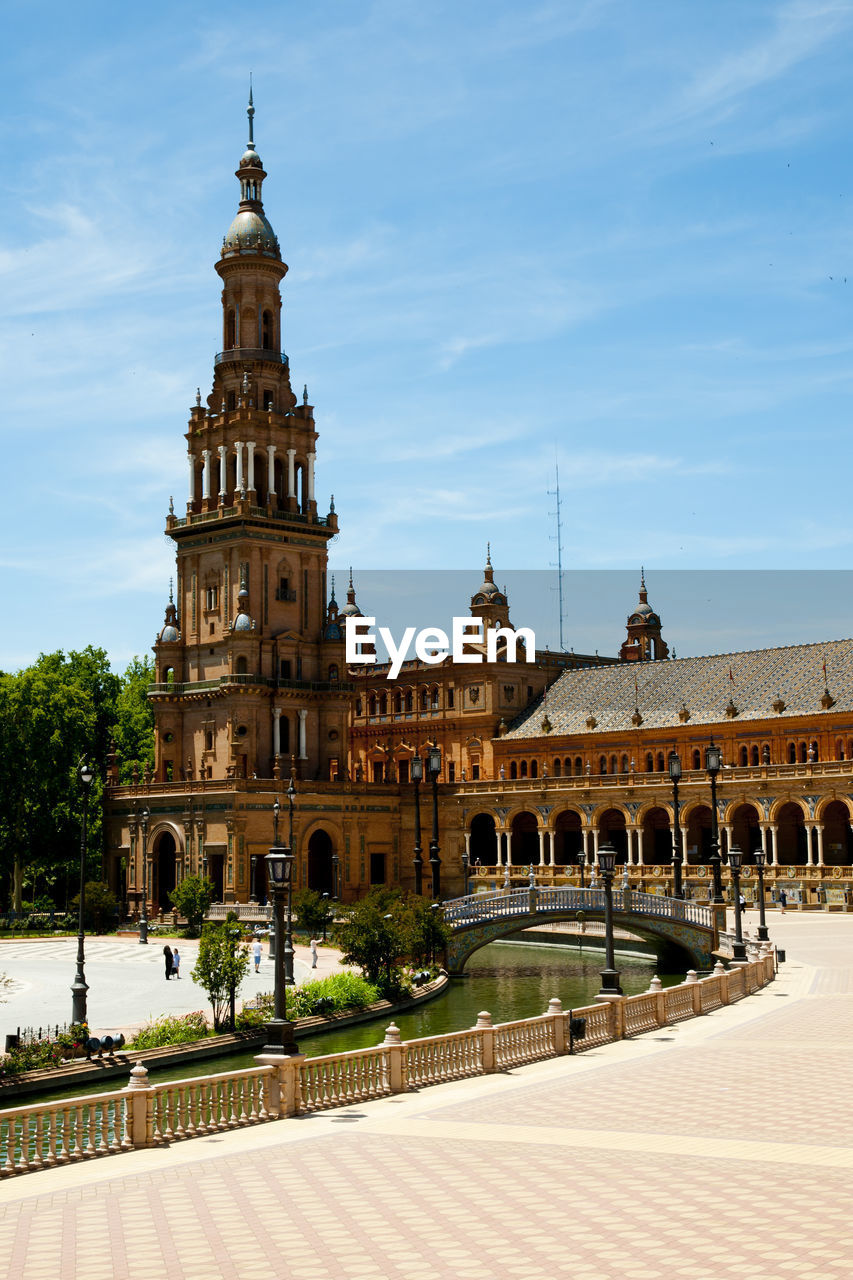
[(510, 980)]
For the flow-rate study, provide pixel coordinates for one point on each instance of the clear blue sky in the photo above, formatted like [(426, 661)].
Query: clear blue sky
[(615, 232)]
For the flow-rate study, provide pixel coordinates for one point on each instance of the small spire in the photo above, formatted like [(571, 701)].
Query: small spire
[(198, 396), (171, 504), (332, 504), (171, 596), (488, 553), (305, 394), (333, 587), (250, 112), (350, 578)]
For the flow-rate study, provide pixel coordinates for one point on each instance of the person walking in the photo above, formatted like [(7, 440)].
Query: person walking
[(314, 956), (256, 953), (167, 956), (176, 963), (783, 900)]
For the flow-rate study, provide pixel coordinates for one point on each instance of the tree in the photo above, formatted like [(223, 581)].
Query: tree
[(222, 964), (373, 935), (191, 899), (133, 730), (427, 931), (314, 912), (100, 907)]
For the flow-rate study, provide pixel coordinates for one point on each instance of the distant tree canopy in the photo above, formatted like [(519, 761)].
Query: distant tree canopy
[(52, 714)]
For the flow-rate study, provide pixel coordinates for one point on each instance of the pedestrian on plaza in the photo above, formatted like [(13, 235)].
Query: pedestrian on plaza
[(742, 902), (256, 953), (176, 963), (167, 956), (783, 899), (314, 956)]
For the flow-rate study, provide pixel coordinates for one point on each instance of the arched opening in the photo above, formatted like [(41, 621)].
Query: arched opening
[(230, 329), (836, 835), (164, 870), (557, 767), (698, 837), (660, 762), (522, 770), (320, 869), (791, 839), (524, 840), (277, 496), (534, 768), (483, 845), (611, 827), (578, 766), (513, 769), (266, 330), (602, 764), (568, 838), (697, 759), (650, 762), (242, 667), (657, 836), (792, 753), (746, 833), (744, 757)]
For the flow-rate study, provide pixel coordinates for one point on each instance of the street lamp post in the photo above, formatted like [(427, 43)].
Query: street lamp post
[(675, 777), (86, 775), (434, 859), (253, 897), (143, 919), (763, 935), (465, 869), (288, 933), (336, 870), (418, 862), (735, 859), (713, 762), (609, 975), (581, 864), (276, 811), (280, 1038)]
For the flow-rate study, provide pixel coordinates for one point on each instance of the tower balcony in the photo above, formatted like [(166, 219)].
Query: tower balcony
[(239, 355)]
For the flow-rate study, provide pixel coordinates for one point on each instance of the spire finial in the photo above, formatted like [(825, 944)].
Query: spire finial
[(171, 597), (642, 578), (488, 553), (250, 112), (305, 394)]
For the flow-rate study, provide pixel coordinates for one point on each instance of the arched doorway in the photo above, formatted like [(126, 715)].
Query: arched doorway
[(698, 839), (524, 840), (165, 873), (320, 869), (746, 833), (836, 834), (611, 828), (568, 838), (657, 837), (483, 845), (791, 841)]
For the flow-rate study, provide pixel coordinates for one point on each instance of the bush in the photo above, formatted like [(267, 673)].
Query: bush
[(100, 907), (171, 1029), (191, 899), (30, 1057), (334, 994)]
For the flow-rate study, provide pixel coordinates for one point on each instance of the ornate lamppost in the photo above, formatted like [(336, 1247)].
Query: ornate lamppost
[(86, 776), (276, 813), (288, 933), (465, 869), (735, 859), (762, 934), (581, 864), (336, 871), (280, 1038), (713, 763), (609, 974), (253, 897), (675, 778), (143, 918), (417, 861), (434, 859)]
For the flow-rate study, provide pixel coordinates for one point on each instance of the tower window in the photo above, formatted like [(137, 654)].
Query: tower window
[(451, 694), (212, 595), (269, 400), (232, 400), (266, 330), (284, 669)]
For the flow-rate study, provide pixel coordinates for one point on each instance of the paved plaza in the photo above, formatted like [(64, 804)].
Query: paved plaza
[(718, 1148)]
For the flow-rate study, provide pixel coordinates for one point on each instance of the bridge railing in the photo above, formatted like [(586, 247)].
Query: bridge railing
[(478, 908), (142, 1115)]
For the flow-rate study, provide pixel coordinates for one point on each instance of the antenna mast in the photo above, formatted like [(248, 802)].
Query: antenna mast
[(558, 538)]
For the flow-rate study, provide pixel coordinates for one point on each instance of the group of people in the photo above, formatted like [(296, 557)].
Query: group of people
[(173, 962)]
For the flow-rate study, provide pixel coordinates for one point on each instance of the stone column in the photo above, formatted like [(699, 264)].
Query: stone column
[(819, 829), (774, 852), (223, 468), (276, 731), (541, 834), (311, 460), (270, 473), (238, 450), (205, 475), (809, 844), (250, 450), (762, 827), (291, 473), (191, 461), (303, 749), (728, 832), (595, 839)]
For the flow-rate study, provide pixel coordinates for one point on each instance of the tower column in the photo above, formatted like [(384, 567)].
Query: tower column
[(291, 473), (191, 461), (276, 731), (250, 450), (311, 459), (303, 744), (270, 472), (205, 475), (223, 468), (238, 452)]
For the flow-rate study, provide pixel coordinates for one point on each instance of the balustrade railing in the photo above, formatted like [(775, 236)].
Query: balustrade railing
[(41, 1136), (478, 908)]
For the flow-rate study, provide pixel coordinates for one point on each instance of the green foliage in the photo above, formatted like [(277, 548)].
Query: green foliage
[(427, 931), (74, 1038), (39, 1055), (313, 912), (334, 994), (100, 907), (192, 899), (133, 730), (223, 962), (171, 1029), (373, 935)]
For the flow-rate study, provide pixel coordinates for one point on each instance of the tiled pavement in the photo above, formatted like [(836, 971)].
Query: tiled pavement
[(716, 1149)]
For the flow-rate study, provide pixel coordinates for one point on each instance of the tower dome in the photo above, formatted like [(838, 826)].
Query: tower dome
[(250, 232)]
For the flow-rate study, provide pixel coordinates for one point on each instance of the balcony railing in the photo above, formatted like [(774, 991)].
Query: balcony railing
[(219, 682), (237, 354)]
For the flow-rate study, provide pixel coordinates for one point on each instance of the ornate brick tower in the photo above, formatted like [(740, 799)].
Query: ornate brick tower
[(644, 642), (247, 677)]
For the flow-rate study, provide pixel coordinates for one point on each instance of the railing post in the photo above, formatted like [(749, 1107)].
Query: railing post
[(656, 989), (285, 1083), (487, 1040), (692, 980), (555, 1012), (138, 1093), (394, 1052), (720, 972)]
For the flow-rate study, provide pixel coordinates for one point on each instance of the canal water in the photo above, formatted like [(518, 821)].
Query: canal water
[(509, 979)]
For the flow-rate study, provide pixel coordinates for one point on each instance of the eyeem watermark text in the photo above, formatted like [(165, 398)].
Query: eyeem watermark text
[(432, 644)]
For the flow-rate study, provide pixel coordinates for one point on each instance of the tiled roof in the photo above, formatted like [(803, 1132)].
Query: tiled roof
[(750, 681)]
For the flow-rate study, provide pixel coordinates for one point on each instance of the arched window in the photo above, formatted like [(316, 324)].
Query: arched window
[(744, 757), (513, 769), (624, 764), (602, 764), (371, 705), (242, 665), (266, 331), (578, 766), (613, 765), (397, 702), (522, 772), (358, 706), (383, 704), (230, 329), (408, 699), (792, 753), (435, 697), (661, 764), (804, 753), (815, 751), (697, 760), (334, 675), (754, 755), (424, 698), (534, 769), (169, 675), (650, 762), (558, 767)]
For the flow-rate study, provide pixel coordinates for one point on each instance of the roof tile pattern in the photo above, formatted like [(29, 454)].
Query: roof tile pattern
[(752, 681)]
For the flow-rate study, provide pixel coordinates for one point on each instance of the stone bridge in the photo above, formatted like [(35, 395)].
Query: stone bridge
[(481, 918)]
